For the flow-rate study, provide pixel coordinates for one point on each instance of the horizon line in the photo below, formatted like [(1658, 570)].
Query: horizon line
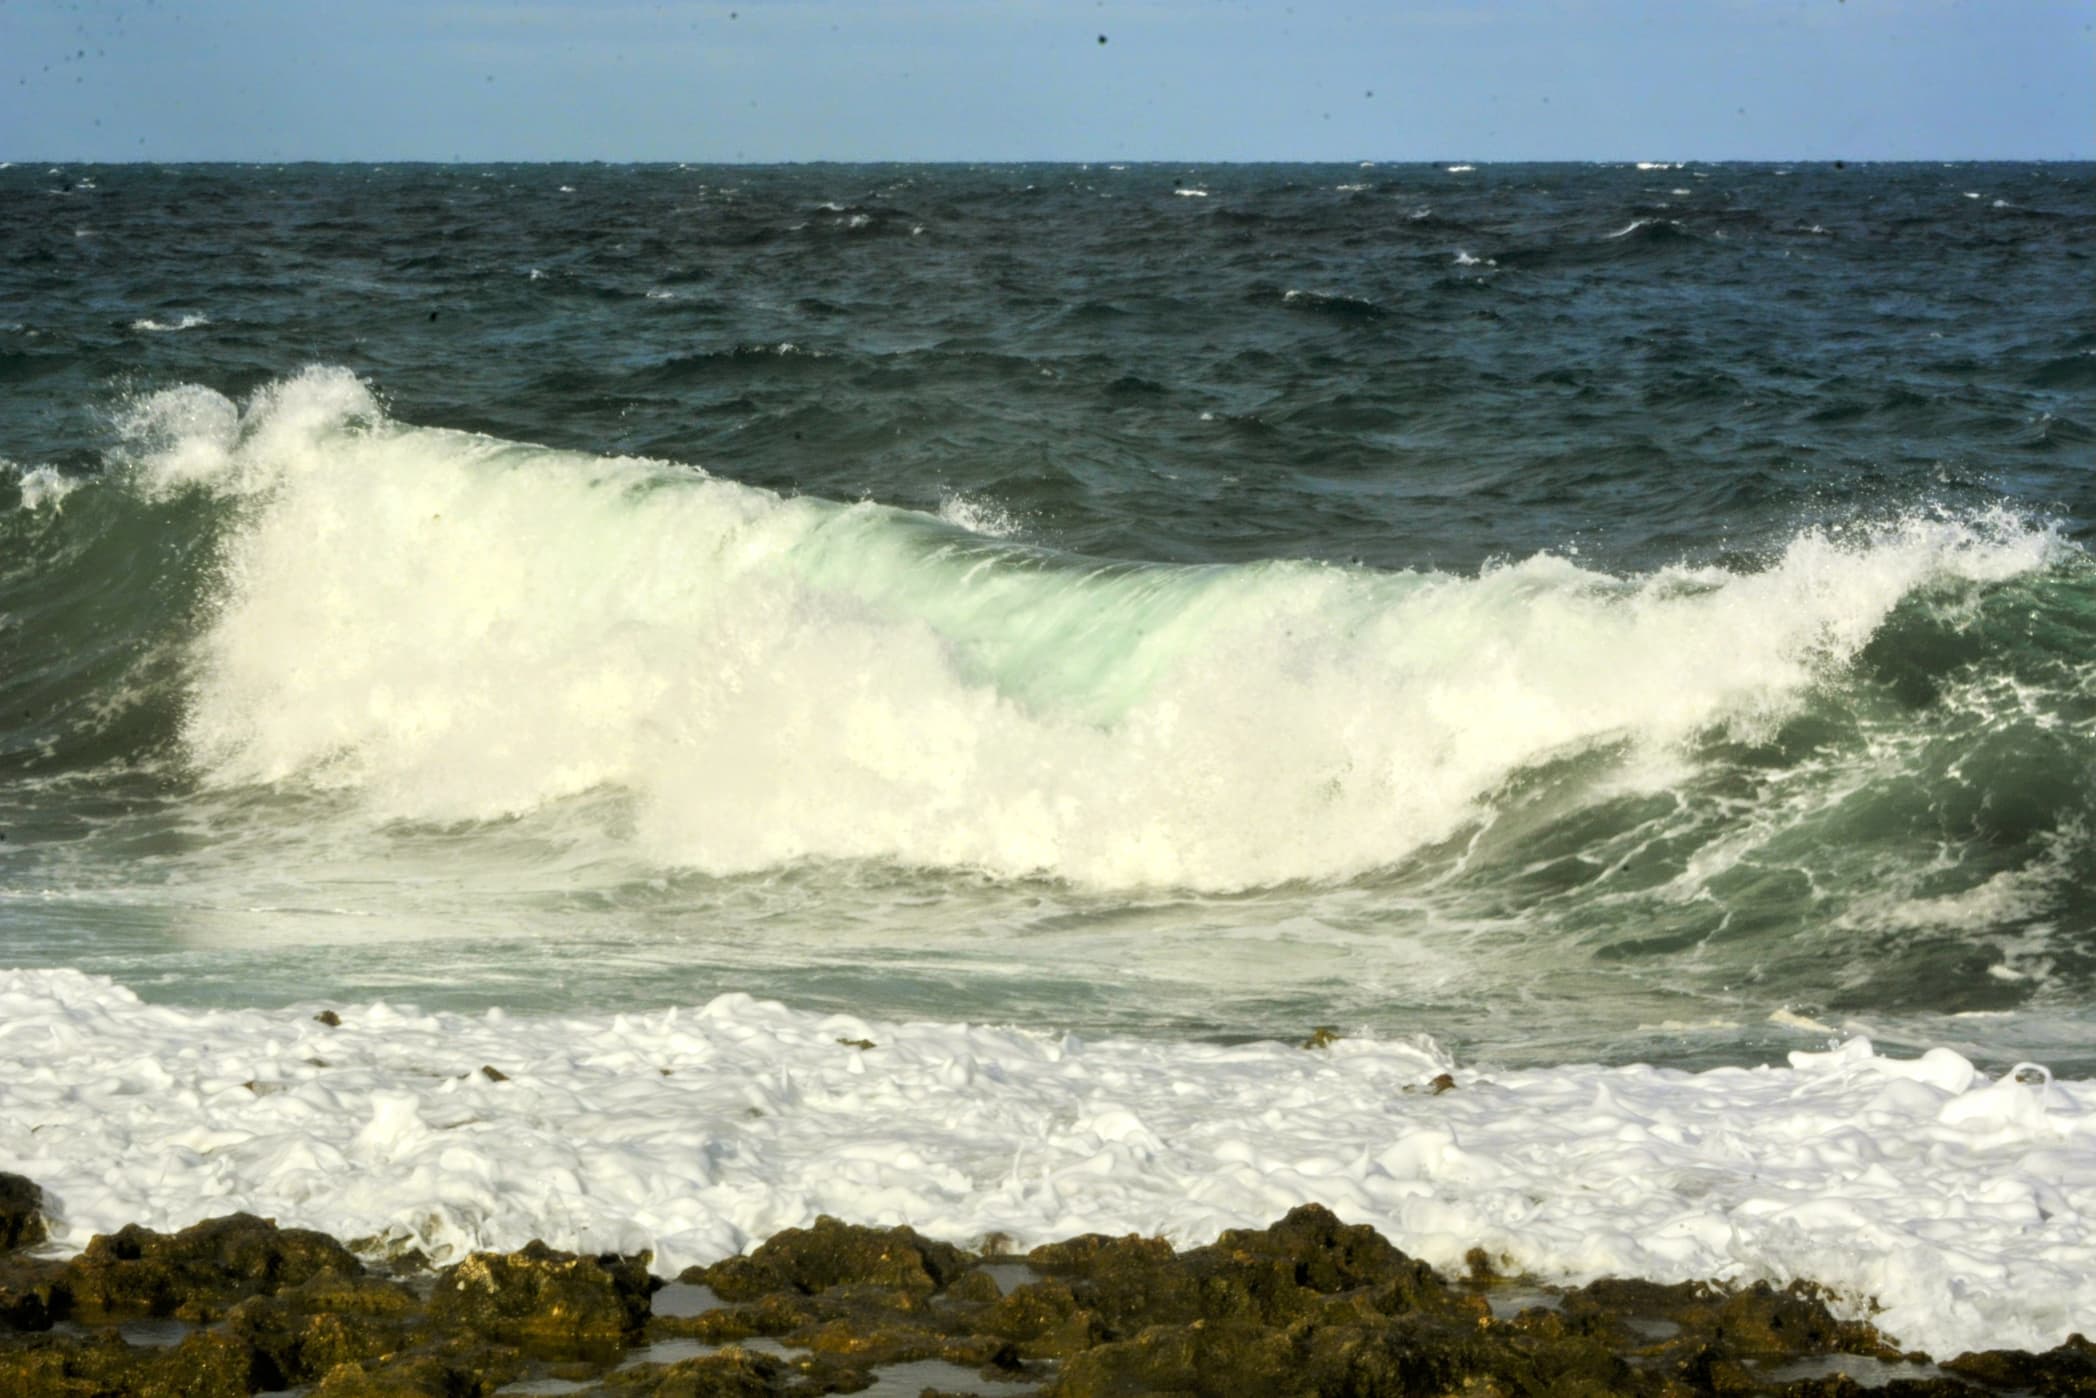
[(1355, 162)]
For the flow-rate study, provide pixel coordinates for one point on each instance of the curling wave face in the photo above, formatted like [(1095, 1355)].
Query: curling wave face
[(1856, 772), (463, 629)]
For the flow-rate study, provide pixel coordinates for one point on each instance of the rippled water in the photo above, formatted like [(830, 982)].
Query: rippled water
[(1574, 611)]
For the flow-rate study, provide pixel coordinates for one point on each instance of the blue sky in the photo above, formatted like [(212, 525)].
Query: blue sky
[(762, 80)]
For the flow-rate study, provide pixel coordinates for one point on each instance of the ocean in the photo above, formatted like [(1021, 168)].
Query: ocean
[(1621, 635)]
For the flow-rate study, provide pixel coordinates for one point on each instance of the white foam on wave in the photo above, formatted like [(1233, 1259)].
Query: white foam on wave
[(190, 321), (979, 516), (1964, 1206), (42, 487), (1191, 193), (456, 628)]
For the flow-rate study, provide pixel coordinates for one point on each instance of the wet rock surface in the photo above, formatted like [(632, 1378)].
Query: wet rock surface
[(1308, 1306), (21, 1213)]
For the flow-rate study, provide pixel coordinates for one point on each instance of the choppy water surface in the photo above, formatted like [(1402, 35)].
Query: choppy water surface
[(1577, 612)]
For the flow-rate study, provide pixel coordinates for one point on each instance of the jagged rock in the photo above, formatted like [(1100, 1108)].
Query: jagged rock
[(458, 1369), (55, 1366), (206, 1364), (1044, 1320), (732, 1373), (1271, 1275), (33, 1293), (810, 1260), (21, 1213), (1305, 1308), (2069, 1368), (202, 1271), (304, 1332), (543, 1294)]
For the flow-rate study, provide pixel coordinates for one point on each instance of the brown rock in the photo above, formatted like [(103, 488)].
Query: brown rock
[(21, 1213), (732, 1373), (830, 1254), (202, 1271), (33, 1293), (456, 1370), (2069, 1368), (206, 1364), (543, 1294)]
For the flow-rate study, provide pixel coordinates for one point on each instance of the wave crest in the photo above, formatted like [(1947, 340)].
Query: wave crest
[(459, 628)]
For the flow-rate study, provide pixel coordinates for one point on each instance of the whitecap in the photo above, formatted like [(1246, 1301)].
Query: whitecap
[(42, 487), (979, 515), (190, 321)]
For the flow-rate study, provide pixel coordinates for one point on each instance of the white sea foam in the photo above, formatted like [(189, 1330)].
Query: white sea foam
[(1659, 165), (979, 516), (774, 679), (42, 487), (1460, 169), (1191, 193), (1464, 259), (190, 321), (1964, 1205)]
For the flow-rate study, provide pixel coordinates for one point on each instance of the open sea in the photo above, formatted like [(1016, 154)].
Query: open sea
[(1597, 630)]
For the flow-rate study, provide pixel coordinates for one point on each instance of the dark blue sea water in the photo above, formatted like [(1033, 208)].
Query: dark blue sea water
[(1574, 611)]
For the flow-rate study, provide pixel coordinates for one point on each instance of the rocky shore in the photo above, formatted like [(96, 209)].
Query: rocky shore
[(1311, 1305)]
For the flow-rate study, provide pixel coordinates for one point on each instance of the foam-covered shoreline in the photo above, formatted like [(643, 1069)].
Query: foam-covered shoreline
[(1962, 1207), (1309, 1306)]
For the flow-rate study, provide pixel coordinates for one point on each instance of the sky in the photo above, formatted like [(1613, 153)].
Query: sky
[(1192, 80)]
